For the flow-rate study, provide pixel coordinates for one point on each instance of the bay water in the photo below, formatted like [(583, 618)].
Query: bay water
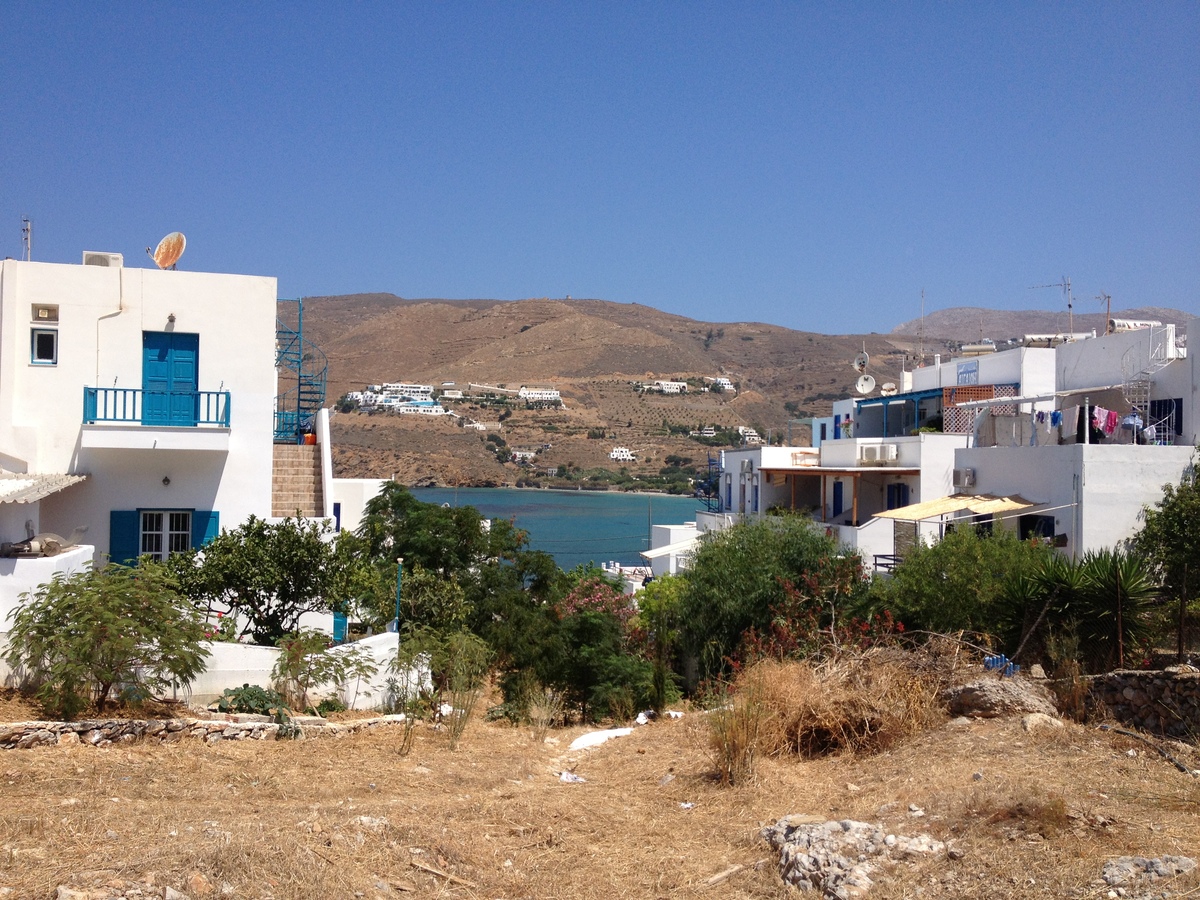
[(575, 527)]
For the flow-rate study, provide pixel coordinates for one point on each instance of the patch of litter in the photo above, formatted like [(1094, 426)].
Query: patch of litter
[(674, 714), (572, 778), (687, 805), (596, 738)]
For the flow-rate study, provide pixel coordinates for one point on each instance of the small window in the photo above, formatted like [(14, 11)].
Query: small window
[(165, 532), (44, 347)]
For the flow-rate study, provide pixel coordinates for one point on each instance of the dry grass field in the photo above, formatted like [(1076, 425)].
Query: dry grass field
[(1027, 814)]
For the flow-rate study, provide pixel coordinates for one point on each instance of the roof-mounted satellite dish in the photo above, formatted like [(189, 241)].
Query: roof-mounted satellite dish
[(888, 389), (860, 362), (865, 384), (168, 251)]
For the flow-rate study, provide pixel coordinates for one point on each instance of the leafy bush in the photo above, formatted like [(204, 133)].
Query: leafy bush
[(330, 705), (307, 661), (84, 635), (739, 578), (249, 698), (958, 583)]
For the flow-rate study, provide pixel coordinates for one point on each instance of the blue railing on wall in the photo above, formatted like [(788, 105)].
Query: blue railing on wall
[(164, 408)]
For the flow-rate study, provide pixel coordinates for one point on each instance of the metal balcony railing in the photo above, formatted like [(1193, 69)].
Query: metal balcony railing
[(156, 408)]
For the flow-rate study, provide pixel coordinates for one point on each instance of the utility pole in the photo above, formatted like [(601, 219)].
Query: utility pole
[(27, 237)]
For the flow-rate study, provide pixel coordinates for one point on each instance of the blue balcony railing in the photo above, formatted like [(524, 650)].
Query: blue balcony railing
[(156, 408)]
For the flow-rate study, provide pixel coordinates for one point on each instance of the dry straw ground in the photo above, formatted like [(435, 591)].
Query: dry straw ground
[(1034, 814)]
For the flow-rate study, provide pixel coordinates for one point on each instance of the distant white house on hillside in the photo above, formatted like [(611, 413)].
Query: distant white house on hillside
[(622, 454), (539, 395)]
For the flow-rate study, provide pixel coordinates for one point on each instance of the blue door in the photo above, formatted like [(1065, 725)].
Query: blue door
[(837, 499), (170, 380)]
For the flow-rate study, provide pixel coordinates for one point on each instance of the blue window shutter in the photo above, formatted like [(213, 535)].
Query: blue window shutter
[(205, 526), (124, 536)]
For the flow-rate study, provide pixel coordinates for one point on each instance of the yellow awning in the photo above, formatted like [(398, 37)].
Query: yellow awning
[(977, 504)]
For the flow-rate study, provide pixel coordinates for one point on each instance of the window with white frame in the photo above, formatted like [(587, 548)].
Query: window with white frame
[(43, 347), (166, 531)]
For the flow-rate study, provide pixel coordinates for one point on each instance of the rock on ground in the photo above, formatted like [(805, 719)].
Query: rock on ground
[(992, 697)]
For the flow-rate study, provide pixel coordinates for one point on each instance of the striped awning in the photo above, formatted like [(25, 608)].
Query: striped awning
[(19, 488), (977, 504)]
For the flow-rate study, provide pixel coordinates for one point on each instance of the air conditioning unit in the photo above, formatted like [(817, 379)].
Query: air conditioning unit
[(964, 478), (109, 260), (888, 452), (868, 452)]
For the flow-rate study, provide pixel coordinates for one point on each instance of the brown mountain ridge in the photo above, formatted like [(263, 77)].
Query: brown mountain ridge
[(594, 352)]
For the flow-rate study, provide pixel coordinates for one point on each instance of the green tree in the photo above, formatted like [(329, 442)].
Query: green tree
[(740, 575), (86, 634), (658, 622), (956, 584), (269, 574), (1169, 540)]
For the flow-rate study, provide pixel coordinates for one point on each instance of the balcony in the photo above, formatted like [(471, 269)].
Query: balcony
[(131, 418)]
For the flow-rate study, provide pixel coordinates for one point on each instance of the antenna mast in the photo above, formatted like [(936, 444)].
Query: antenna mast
[(1107, 299), (27, 237), (921, 330), (1065, 284)]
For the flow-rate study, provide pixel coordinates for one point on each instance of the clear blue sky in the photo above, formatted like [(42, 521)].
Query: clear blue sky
[(809, 165)]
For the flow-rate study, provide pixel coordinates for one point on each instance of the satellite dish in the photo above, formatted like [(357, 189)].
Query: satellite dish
[(865, 384), (168, 251), (860, 362), (888, 388)]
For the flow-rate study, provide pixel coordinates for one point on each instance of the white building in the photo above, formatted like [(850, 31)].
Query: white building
[(135, 380), (411, 391), (622, 454), (1014, 447), (539, 395), (671, 387)]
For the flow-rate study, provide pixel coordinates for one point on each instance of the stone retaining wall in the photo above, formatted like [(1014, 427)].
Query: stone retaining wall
[(1164, 702), (102, 733)]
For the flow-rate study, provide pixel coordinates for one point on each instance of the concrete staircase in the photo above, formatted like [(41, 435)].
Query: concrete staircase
[(296, 481)]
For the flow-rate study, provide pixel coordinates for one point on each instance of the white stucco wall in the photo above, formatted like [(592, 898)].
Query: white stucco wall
[(353, 494), (18, 576), (1096, 492), (1112, 358), (102, 315), (232, 665), (1030, 367)]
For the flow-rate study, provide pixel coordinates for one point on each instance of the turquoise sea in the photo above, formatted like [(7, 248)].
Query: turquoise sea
[(575, 526)]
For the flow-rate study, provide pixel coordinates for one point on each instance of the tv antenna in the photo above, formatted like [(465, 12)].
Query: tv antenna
[(168, 251), (27, 237), (1065, 284), (1106, 299)]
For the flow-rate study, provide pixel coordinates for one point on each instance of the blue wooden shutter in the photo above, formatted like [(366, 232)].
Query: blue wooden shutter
[(205, 526), (124, 536)]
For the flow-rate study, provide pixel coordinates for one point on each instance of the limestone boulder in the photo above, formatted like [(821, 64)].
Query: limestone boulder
[(989, 698)]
